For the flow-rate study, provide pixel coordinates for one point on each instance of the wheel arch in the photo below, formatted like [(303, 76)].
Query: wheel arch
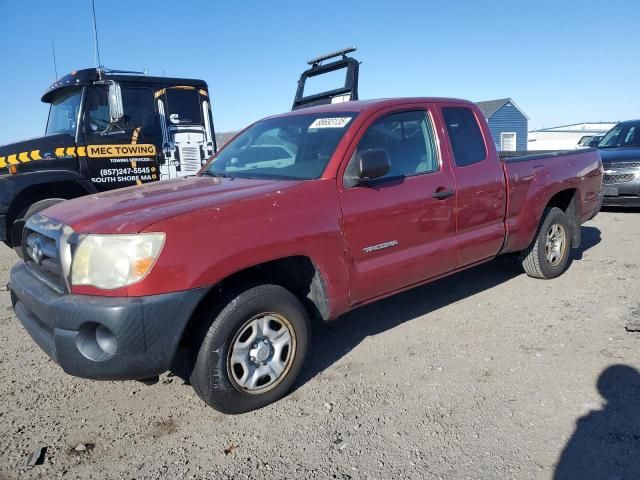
[(42, 185), (568, 200), (299, 274)]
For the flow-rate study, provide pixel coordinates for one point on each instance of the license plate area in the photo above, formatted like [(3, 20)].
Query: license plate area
[(610, 190)]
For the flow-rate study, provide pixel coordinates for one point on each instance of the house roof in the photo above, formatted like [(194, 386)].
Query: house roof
[(490, 107)]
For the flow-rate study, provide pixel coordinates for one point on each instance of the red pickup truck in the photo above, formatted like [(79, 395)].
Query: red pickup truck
[(303, 215)]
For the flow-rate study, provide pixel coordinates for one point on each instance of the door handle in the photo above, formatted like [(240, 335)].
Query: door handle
[(442, 194)]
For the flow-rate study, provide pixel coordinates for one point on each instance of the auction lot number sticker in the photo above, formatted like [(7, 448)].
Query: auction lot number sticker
[(330, 122)]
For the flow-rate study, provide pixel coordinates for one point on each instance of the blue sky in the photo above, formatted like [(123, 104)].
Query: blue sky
[(561, 61)]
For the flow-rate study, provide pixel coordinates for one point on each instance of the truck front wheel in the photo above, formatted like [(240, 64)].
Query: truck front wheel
[(548, 255), (250, 354)]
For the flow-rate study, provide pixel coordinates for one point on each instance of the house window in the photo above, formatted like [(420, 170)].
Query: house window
[(508, 141)]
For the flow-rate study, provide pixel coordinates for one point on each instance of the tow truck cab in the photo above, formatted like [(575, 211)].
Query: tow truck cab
[(106, 129)]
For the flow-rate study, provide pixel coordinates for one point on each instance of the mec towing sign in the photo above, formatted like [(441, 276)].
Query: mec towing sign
[(123, 165), (113, 151)]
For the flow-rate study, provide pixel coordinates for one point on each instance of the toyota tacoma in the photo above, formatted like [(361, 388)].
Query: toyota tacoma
[(301, 216)]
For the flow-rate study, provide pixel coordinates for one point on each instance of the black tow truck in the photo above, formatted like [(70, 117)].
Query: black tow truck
[(106, 129)]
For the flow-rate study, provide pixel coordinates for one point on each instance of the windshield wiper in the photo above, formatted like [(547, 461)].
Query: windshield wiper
[(208, 173)]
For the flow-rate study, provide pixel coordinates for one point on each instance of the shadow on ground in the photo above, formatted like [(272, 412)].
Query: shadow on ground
[(606, 442), (332, 341)]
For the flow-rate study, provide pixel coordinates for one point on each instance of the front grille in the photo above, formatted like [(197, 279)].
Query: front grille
[(622, 165), (41, 253), (190, 158), (627, 177)]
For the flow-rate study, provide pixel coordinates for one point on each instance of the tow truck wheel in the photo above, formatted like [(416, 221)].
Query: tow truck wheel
[(548, 255), (18, 224), (250, 354)]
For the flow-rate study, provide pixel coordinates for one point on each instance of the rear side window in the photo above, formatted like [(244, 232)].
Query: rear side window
[(464, 133), (184, 106)]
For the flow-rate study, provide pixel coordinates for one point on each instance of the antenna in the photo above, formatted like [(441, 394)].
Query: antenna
[(95, 39), (53, 51)]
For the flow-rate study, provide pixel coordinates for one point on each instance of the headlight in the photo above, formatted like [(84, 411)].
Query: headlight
[(115, 261)]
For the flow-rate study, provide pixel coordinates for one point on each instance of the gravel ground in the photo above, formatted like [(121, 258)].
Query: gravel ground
[(487, 374)]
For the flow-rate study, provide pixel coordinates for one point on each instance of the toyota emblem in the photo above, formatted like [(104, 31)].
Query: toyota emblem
[(36, 254)]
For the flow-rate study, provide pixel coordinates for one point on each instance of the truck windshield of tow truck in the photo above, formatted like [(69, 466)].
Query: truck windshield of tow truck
[(288, 148), (64, 112)]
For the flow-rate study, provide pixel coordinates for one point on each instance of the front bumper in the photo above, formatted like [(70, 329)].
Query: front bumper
[(103, 338), (622, 201), (624, 188)]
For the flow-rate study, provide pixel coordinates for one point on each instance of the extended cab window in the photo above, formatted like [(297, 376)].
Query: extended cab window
[(465, 135), (290, 147), (408, 139)]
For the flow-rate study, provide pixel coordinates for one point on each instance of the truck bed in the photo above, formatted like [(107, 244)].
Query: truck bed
[(526, 155), (533, 178)]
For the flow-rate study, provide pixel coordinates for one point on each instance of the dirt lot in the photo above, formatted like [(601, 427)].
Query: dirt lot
[(483, 375)]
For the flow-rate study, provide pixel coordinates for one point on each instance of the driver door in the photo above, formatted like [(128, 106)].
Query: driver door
[(400, 229), (121, 153)]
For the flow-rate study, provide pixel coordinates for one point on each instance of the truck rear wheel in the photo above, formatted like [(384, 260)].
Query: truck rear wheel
[(24, 216), (548, 255), (250, 354)]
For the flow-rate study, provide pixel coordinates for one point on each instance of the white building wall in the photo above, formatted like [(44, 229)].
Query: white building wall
[(565, 137)]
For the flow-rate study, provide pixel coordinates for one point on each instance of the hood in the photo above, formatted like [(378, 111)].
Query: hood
[(620, 154), (132, 209), (47, 147)]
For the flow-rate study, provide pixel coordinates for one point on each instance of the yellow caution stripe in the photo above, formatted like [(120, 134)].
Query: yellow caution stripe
[(26, 157)]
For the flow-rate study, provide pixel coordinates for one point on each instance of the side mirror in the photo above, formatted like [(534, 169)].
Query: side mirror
[(593, 143), (116, 111), (373, 163)]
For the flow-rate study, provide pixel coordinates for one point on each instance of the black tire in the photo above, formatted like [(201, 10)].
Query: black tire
[(210, 375), (28, 213), (535, 261)]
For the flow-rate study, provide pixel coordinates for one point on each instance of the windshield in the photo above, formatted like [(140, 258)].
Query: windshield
[(63, 114), (297, 147), (622, 135)]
